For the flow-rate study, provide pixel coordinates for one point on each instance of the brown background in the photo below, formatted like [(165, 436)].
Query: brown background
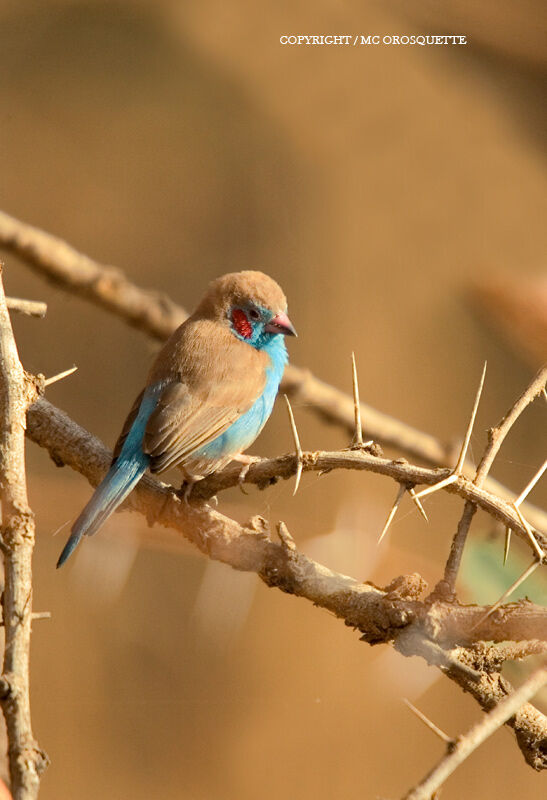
[(180, 141)]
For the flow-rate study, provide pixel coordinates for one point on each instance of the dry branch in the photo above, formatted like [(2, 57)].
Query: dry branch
[(105, 286), (394, 614), (265, 472), (511, 706), (26, 760), (497, 435), (30, 308)]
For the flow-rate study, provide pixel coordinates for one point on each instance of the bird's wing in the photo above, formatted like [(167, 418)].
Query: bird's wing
[(206, 387), (185, 419)]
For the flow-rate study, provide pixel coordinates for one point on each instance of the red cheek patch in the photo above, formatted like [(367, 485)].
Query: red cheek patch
[(241, 323)]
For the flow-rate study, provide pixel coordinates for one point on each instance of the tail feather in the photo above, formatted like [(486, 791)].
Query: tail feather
[(122, 477)]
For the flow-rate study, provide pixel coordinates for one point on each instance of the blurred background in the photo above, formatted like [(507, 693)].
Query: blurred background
[(398, 196)]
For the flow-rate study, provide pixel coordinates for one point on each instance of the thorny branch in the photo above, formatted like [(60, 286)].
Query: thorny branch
[(497, 435), (446, 634), (158, 316), (495, 439), (437, 631), (26, 760), (458, 751)]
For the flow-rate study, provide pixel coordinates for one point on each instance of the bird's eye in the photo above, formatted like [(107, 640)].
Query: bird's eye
[(254, 314)]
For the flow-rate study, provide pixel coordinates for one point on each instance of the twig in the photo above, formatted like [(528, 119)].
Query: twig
[(30, 308), (431, 725), (158, 316), (466, 744), (105, 286), (26, 760), (452, 566), (297, 446), (497, 435), (265, 471)]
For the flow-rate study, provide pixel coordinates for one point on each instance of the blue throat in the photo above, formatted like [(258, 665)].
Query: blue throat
[(242, 433)]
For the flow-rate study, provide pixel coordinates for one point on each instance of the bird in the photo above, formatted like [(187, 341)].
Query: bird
[(208, 394)]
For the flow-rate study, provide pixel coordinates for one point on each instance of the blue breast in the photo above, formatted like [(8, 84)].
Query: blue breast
[(242, 433)]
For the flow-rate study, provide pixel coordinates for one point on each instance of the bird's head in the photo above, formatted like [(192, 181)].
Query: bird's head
[(251, 304)]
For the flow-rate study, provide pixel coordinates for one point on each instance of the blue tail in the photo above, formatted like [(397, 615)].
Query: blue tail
[(120, 479), (124, 474)]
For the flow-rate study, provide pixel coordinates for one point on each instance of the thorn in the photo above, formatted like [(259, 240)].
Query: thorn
[(436, 486), (297, 447), (457, 471), (463, 452), (59, 376), (400, 493), (419, 506), (507, 545), (431, 725), (358, 439), (514, 586), (528, 488), (530, 533), (287, 541)]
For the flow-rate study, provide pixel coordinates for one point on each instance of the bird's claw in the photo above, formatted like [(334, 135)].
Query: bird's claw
[(246, 461), (186, 490), (241, 477)]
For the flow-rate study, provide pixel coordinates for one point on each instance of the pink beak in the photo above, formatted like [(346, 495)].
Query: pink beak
[(281, 324)]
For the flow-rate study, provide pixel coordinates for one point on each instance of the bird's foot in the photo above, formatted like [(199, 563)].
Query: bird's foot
[(188, 486), (246, 460)]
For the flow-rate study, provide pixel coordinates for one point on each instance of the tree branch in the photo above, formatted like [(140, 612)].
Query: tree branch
[(511, 706), (105, 286), (26, 760), (394, 614), (497, 435), (267, 471), (30, 308)]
